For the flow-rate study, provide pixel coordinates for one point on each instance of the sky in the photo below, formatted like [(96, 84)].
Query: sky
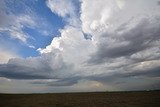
[(49, 46)]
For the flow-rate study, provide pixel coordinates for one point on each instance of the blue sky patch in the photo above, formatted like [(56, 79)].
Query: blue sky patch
[(45, 25)]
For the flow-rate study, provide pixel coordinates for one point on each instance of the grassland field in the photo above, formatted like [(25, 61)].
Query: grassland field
[(90, 99)]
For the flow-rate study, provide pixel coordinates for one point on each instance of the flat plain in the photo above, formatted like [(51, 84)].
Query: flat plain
[(90, 99)]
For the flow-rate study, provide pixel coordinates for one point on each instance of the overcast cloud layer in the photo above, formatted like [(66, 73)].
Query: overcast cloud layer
[(122, 51)]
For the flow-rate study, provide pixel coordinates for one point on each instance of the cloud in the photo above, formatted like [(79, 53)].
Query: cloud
[(61, 7), (6, 55), (69, 43), (47, 66), (65, 9), (98, 17), (64, 82), (14, 28), (142, 37), (121, 3), (94, 14), (16, 19)]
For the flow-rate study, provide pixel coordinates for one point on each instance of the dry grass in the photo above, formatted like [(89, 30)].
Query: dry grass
[(102, 99)]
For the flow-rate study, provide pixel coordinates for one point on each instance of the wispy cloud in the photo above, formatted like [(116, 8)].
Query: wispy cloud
[(14, 24), (65, 9)]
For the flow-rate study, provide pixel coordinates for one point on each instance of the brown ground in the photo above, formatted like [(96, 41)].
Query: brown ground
[(102, 99)]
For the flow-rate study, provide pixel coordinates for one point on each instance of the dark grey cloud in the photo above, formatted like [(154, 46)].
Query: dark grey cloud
[(152, 72), (65, 82), (137, 39), (22, 72), (136, 80), (58, 82), (112, 78), (43, 67)]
